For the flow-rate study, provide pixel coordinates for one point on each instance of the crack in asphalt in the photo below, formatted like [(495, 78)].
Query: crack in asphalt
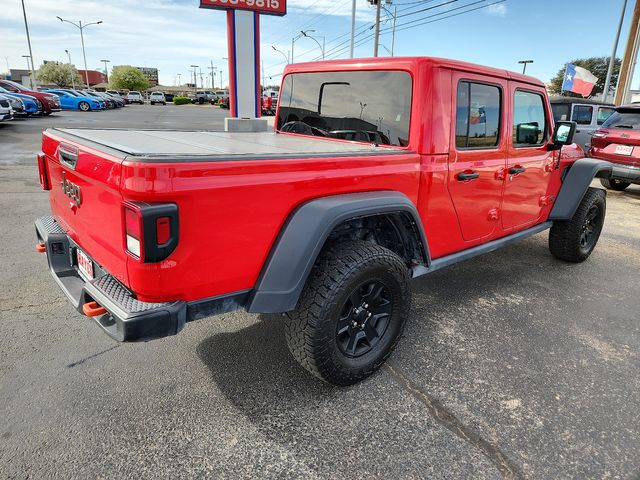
[(28, 305), (448, 420), (79, 362)]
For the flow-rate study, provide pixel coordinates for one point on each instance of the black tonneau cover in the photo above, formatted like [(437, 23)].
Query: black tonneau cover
[(172, 145)]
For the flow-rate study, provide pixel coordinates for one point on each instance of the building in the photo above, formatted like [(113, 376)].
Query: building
[(20, 76), (95, 77), (151, 74)]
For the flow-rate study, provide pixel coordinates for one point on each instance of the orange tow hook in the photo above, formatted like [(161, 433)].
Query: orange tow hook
[(41, 248), (92, 309)]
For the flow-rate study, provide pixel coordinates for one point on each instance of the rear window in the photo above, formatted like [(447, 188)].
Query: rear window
[(629, 119), (604, 113), (370, 106)]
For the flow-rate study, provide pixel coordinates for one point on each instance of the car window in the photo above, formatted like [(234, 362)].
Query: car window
[(624, 118), (369, 104), (478, 113), (561, 111), (604, 113), (582, 114), (529, 120)]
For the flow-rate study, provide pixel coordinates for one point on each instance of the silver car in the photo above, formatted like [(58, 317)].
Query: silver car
[(588, 114)]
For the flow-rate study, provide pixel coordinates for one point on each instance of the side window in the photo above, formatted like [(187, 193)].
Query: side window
[(529, 120), (561, 111), (604, 113), (478, 113), (582, 114)]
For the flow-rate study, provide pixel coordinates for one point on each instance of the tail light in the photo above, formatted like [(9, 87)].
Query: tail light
[(598, 138), (42, 172), (150, 230)]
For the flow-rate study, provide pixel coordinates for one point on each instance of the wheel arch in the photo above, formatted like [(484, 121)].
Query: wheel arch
[(317, 221), (575, 184)]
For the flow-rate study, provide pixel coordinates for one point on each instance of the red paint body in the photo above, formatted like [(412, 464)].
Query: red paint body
[(605, 141), (231, 212)]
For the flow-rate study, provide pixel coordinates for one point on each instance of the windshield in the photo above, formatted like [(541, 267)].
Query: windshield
[(369, 106), (629, 119)]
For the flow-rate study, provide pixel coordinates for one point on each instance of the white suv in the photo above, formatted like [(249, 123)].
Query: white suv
[(157, 97), (135, 97), (6, 112)]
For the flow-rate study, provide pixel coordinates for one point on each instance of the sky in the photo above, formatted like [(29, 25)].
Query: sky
[(171, 35)]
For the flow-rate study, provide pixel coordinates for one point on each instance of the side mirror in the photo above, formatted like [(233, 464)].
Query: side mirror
[(563, 134)]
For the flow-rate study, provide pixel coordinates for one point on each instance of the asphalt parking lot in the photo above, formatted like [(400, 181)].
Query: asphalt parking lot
[(513, 365)]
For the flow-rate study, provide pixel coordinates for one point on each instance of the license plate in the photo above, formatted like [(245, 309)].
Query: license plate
[(85, 265), (624, 149)]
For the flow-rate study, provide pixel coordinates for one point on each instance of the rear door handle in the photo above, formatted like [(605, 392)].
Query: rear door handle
[(465, 177), (517, 170)]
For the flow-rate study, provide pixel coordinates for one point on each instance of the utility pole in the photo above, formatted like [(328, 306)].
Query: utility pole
[(179, 79), (377, 34), (353, 27), (195, 80), (213, 75), (26, 27), (629, 59), (612, 59)]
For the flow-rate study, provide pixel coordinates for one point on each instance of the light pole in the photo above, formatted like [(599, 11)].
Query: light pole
[(80, 27), (73, 76), (393, 34), (106, 70), (303, 33), (524, 65), (179, 80), (32, 77), (286, 57), (195, 80), (612, 58), (30, 70), (321, 47)]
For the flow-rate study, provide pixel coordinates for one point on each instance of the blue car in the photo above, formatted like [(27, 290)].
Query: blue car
[(32, 106), (71, 100)]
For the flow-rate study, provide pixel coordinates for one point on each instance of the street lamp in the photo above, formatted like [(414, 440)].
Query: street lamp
[(321, 47), (80, 27), (106, 70), (524, 65), (195, 80), (73, 76), (286, 56), (29, 69)]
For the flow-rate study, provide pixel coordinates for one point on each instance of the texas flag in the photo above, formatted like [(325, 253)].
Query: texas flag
[(578, 80)]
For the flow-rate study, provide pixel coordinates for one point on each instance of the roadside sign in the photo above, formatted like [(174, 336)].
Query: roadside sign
[(265, 7)]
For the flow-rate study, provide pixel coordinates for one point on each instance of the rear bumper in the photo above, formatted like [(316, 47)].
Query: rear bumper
[(127, 319), (626, 173)]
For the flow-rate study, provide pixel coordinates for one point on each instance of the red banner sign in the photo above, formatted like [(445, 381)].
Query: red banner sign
[(267, 7)]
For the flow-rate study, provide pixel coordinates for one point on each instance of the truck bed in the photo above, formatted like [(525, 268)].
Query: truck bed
[(163, 145)]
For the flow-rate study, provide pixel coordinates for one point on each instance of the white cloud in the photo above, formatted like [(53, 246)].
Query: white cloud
[(499, 10)]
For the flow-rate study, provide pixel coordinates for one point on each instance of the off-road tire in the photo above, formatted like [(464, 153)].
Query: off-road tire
[(613, 184), (84, 106), (566, 238), (312, 328)]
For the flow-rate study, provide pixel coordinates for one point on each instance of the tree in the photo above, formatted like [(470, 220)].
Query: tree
[(596, 65), (60, 74), (126, 77)]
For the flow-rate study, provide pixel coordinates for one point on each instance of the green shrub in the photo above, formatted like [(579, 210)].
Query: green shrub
[(181, 100)]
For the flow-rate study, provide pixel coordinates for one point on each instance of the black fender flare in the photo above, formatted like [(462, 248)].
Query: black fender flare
[(303, 235), (575, 185)]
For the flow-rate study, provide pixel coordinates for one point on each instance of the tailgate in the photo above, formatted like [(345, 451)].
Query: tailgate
[(85, 199)]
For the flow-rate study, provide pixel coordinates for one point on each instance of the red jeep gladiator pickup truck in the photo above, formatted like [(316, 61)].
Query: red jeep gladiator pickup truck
[(379, 170)]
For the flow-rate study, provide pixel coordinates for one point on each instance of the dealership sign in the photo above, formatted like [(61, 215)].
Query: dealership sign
[(265, 7)]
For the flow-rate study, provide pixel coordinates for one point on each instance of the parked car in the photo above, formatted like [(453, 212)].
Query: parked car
[(6, 112), (169, 96), (16, 104), (135, 97), (618, 141), (588, 114), (73, 100), (326, 231), (32, 106), (118, 94), (157, 97), (107, 103), (50, 103), (202, 96), (119, 101)]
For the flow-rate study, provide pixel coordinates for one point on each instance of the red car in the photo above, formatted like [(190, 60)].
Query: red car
[(380, 170), (50, 103), (618, 141)]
